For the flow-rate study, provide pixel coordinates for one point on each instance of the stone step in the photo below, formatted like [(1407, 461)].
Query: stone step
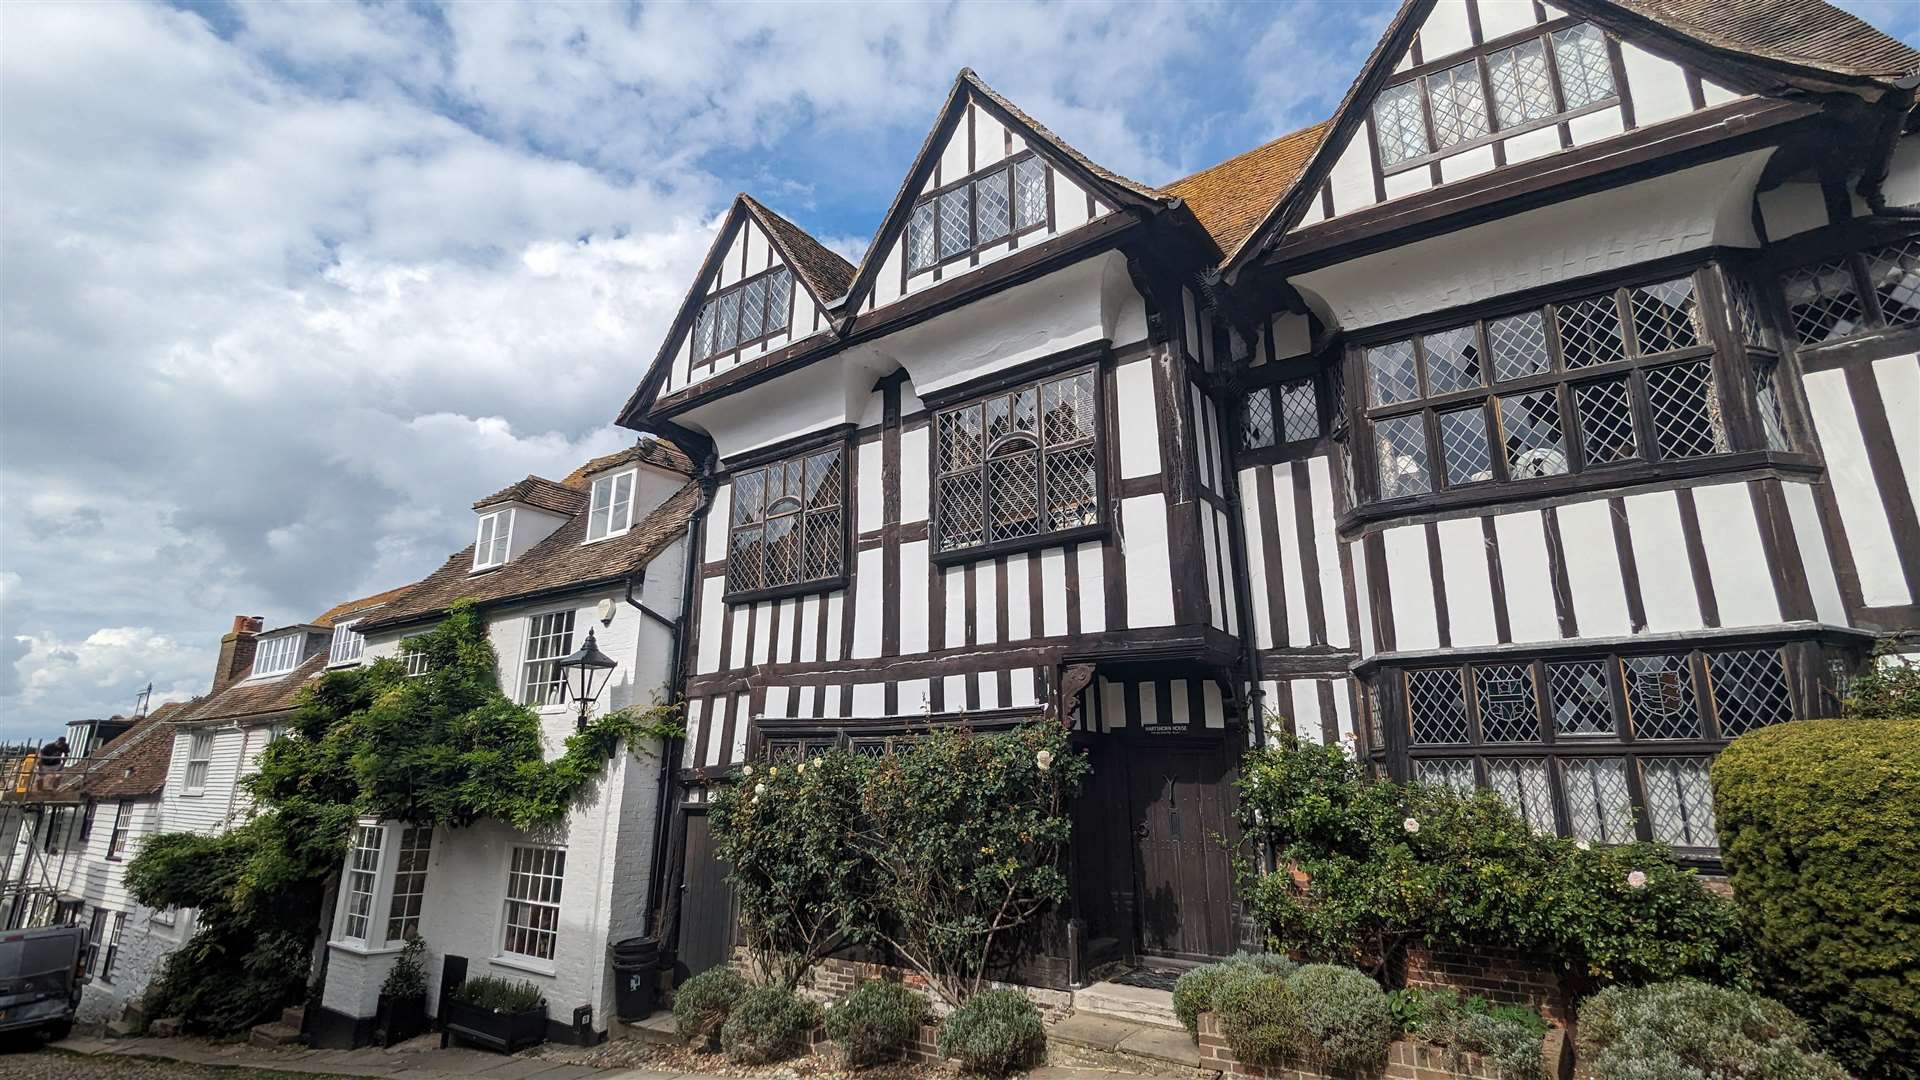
[(1089, 1040), (276, 1033), (1138, 1004), (124, 1029), (295, 1018), (658, 1029)]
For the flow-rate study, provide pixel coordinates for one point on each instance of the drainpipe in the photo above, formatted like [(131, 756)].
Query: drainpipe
[(1894, 108)]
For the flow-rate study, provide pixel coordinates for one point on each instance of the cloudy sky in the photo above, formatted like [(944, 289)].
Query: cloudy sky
[(284, 288)]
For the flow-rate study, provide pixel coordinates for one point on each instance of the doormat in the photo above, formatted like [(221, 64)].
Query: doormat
[(1150, 978)]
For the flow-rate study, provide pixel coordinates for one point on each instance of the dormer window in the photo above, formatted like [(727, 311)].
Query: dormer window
[(278, 655), (977, 212), (745, 314), (490, 545), (346, 646), (612, 510)]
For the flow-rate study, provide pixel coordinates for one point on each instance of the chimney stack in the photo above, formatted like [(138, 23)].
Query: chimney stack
[(236, 651)]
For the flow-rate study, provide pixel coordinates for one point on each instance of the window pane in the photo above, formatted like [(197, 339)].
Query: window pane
[(779, 300), (727, 329), (1606, 421), (1530, 430), (753, 309), (1590, 331), (549, 637), (1436, 706), (1578, 695), (1519, 344), (703, 333), (1749, 690), (1068, 406), (746, 559), (1767, 403), (1390, 374), (1453, 773), (783, 550), (1463, 445), (1895, 274), (1521, 90), (1299, 411), (1507, 709), (1660, 699), (1459, 107), (961, 511), (1599, 810), (1679, 801), (1686, 417), (1398, 123), (1586, 76), (1453, 360), (920, 251), (1013, 491), (823, 480), (749, 496), (1030, 194), (1071, 497), (1663, 316), (1522, 784), (1401, 446), (990, 193), (1747, 317), (960, 437), (1256, 419), (1822, 302), (824, 544), (956, 213)]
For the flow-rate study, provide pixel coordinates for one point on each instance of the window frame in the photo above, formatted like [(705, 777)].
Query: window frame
[(1015, 231), (696, 358), (1850, 244), (122, 825), (350, 879), (839, 444), (402, 924), (344, 633), (96, 939), (1007, 386), (612, 482), (497, 542), (528, 662), (556, 871), (277, 654), (114, 937), (1274, 379), (195, 740)]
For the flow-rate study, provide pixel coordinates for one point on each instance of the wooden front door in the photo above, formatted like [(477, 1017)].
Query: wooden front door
[(1182, 816), (706, 902)]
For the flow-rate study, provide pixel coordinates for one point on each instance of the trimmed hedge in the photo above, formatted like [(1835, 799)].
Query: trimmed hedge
[(1260, 1016), (995, 1032), (1819, 825), (876, 1022), (701, 1005), (1193, 992), (1688, 1029), (1345, 1016), (768, 1024)]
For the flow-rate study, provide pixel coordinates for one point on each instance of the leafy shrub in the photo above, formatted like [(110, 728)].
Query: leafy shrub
[(1819, 824), (1689, 1029), (1508, 1036), (875, 1022), (500, 995), (701, 1004), (1260, 1016), (1193, 991), (994, 1032), (768, 1024), (1889, 690), (408, 975), (1344, 1015)]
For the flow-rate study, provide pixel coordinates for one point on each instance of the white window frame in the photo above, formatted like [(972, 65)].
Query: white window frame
[(413, 855), (543, 875), (278, 654), (97, 925), (415, 662), (538, 656), (122, 825), (491, 539), (358, 874), (113, 946), (611, 512), (200, 758), (347, 645)]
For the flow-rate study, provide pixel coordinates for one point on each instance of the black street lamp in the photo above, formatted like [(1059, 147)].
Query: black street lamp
[(583, 675)]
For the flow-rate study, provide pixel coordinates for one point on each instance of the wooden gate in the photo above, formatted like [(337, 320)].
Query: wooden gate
[(1182, 817), (706, 902)]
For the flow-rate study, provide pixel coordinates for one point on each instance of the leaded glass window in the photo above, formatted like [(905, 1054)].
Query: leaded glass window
[(1766, 402), (921, 252), (758, 308), (1679, 801), (1894, 273), (1463, 446), (1299, 411), (1605, 408), (1580, 699), (1599, 807), (1660, 697), (1823, 303), (1021, 463), (1030, 193), (1586, 75), (787, 524), (1749, 690), (1519, 344), (1391, 374), (1589, 331), (956, 211), (1686, 415), (980, 212), (1436, 706), (1256, 419), (1522, 90), (1459, 106), (1508, 712), (1522, 784), (1453, 360), (1453, 773), (1877, 288), (1530, 431), (1401, 452), (1663, 316), (1397, 123)]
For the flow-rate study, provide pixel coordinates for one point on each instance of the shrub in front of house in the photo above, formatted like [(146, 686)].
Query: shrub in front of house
[(499, 995), (1260, 1016), (1507, 1037), (1193, 991), (994, 1032), (876, 1022), (1344, 1016), (1819, 824), (768, 1024), (1686, 1028), (702, 1003)]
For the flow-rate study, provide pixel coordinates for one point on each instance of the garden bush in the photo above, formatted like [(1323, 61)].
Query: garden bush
[(1688, 1029), (1507, 1036), (1819, 824), (876, 1022), (499, 995), (1344, 1016), (408, 975), (995, 1032), (1193, 991), (768, 1024), (701, 1004), (1260, 1016)]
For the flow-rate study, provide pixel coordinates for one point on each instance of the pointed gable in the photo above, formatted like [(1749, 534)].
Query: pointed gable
[(988, 181)]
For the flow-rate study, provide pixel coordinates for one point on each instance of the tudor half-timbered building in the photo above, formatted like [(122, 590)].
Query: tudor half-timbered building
[(1544, 419)]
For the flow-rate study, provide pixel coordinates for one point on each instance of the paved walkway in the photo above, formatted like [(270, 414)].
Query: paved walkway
[(404, 1063)]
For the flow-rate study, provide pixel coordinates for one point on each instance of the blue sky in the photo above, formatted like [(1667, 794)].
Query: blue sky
[(287, 286)]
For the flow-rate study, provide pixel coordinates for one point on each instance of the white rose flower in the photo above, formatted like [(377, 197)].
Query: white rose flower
[(746, 770), (1410, 825), (1043, 760), (1636, 880), (759, 789), (1583, 845)]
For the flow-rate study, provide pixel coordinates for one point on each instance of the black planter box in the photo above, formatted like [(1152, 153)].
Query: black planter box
[(503, 1031), (400, 1018)]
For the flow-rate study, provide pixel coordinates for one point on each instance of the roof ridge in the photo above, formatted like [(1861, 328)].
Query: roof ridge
[(830, 286)]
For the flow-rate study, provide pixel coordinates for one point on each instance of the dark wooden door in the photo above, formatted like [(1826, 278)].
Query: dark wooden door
[(1182, 826), (706, 902)]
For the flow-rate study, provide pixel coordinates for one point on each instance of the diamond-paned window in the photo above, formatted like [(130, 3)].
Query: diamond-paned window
[(921, 252), (1454, 773), (1579, 698), (1453, 360), (1894, 274), (1599, 807), (1590, 331), (1766, 402), (1391, 375), (1519, 344), (1508, 711), (994, 210), (1019, 464), (1256, 419), (742, 314), (1459, 107), (1397, 122), (1299, 411), (1686, 415), (1522, 89), (1029, 193), (1660, 698), (1749, 690), (1586, 75), (1463, 446), (1823, 303), (787, 523), (1522, 784), (1436, 706), (1679, 801), (1400, 447), (1663, 316), (956, 211), (753, 308), (1747, 318), (1606, 421), (1530, 432)]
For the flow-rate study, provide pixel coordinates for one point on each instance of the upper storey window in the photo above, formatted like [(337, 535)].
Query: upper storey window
[(1587, 383), (611, 513), (278, 655), (977, 212), (490, 542), (1531, 82), (745, 314), (1854, 293), (788, 528), (346, 645), (1018, 465)]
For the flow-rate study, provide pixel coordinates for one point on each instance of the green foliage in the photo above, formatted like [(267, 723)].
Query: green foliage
[(876, 1022), (1193, 992), (1889, 690), (1260, 1016), (768, 1024), (1508, 1036), (1687, 1030), (994, 1032), (1344, 1016), (701, 1004), (1357, 885), (1819, 825), (500, 995), (408, 975)]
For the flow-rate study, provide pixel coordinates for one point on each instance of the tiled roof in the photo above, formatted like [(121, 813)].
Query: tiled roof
[(135, 764), (541, 494), (559, 561), (1232, 198), (827, 274), (255, 697), (1801, 33), (649, 450), (1056, 142), (351, 607)]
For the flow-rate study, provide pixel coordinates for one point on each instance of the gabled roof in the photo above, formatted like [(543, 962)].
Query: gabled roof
[(825, 272), (539, 493), (135, 764), (1230, 198), (248, 696), (647, 449)]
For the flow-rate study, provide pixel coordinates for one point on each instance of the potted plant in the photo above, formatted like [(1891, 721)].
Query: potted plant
[(504, 1015), (403, 996)]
